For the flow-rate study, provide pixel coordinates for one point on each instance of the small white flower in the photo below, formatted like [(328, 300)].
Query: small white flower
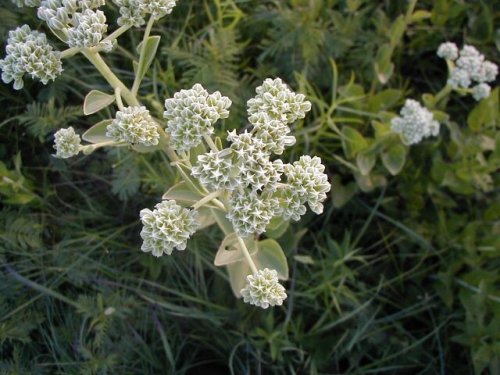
[(459, 78), (448, 51), (273, 133), (215, 170), (167, 227), (130, 13), (191, 114), (306, 177), (157, 8), (481, 91), (66, 143), (263, 289), (415, 123), (28, 52), (280, 103), (250, 213), (291, 206), (134, 125)]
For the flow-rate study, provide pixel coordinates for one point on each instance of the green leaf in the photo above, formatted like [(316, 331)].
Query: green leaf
[(369, 183), (383, 65), (384, 100), (397, 30), (238, 273), (485, 113), (205, 217), (97, 133), (95, 101), (352, 141), (381, 128), (150, 47), (341, 194), (420, 15), (271, 255), (277, 227), (229, 251), (222, 221), (365, 162), (181, 193), (394, 158)]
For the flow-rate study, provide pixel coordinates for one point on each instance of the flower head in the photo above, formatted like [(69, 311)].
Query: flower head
[(88, 30), (291, 204), (448, 51), (157, 8), (28, 52), (307, 179), (471, 67), (250, 213), (481, 91), (274, 134), (215, 170), (280, 103), (167, 227), (191, 114), (134, 125), (263, 289), (415, 123), (66, 143)]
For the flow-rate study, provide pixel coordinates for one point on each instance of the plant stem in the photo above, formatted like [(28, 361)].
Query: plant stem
[(248, 258), (109, 76), (442, 94), (118, 97), (115, 34), (70, 52), (137, 80), (210, 143), (206, 199)]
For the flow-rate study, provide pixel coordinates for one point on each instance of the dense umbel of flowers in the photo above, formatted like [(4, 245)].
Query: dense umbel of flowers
[(414, 123), (28, 52), (167, 227), (88, 30), (247, 171), (470, 67), (134, 12), (67, 143), (263, 289), (191, 114), (134, 125)]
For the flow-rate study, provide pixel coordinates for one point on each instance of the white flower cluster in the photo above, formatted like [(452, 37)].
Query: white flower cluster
[(26, 3), (250, 213), (307, 180), (134, 12), (191, 114), (28, 52), (84, 26), (414, 123), (263, 289), (167, 227), (66, 143), (470, 67), (246, 169), (134, 125)]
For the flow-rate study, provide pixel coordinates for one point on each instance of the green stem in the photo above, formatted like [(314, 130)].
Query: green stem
[(442, 94), (409, 11), (137, 80), (70, 52), (210, 143), (206, 199), (109, 76), (248, 258), (118, 97), (115, 34)]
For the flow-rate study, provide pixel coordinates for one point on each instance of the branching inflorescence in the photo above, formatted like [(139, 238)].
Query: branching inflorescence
[(244, 186)]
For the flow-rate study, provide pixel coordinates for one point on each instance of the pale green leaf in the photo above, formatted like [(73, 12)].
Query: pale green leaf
[(95, 101), (271, 255), (394, 158), (97, 133), (150, 47)]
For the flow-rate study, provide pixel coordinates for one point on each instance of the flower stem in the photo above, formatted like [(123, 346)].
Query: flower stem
[(115, 34), (210, 143), (206, 199), (248, 258), (109, 76), (442, 94), (118, 97)]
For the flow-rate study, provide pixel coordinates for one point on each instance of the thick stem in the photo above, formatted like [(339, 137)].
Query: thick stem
[(109, 76), (118, 97), (70, 52), (115, 34), (137, 80), (248, 258), (210, 143), (442, 94)]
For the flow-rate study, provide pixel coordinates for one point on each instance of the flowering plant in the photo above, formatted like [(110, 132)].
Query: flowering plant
[(242, 187)]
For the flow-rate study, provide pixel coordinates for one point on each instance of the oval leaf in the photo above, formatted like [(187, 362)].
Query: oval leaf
[(229, 252), (270, 255), (182, 194), (95, 101), (238, 273), (150, 47), (394, 158), (97, 133), (277, 227), (352, 141)]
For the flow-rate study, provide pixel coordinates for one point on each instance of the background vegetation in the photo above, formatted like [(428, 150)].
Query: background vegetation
[(398, 276)]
